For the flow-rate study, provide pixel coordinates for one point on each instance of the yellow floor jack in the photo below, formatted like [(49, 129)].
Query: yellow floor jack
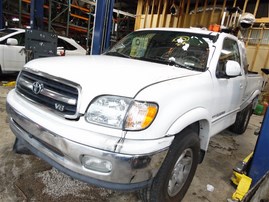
[(252, 174), (10, 84), (240, 179)]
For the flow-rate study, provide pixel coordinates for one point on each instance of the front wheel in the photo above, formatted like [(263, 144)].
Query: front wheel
[(175, 175)]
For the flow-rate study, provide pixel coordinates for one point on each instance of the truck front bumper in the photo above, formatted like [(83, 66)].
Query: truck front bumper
[(122, 171)]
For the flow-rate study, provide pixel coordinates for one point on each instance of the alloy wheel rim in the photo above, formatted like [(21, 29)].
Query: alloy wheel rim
[(180, 172)]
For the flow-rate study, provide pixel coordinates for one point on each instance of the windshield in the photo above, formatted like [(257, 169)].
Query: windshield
[(4, 32), (182, 49)]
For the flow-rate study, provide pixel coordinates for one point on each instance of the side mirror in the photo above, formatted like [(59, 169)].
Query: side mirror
[(233, 68), (12, 42)]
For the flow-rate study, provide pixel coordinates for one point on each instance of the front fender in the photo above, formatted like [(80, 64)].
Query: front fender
[(200, 115)]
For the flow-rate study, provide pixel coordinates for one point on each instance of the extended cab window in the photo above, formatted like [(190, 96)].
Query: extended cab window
[(230, 51), (180, 49)]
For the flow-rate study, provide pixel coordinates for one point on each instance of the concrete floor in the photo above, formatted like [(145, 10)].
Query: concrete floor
[(27, 178)]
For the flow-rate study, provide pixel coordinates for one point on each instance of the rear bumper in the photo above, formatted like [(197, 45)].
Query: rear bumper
[(129, 172)]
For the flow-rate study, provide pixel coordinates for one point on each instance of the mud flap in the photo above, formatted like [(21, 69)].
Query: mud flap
[(20, 148)]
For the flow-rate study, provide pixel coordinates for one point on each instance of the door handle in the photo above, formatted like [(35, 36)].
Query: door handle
[(23, 50)]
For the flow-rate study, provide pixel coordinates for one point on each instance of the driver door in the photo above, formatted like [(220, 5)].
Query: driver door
[(228, 91)]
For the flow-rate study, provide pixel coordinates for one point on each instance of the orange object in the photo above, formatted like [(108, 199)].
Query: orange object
[(265, 105), (214, 28)]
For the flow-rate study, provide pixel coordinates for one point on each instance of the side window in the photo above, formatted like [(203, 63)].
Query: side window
[(21, 39), (230, 51), (244, 60), (65, 44)]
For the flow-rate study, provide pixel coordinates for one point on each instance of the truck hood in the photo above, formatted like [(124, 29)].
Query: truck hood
[(99, 75)]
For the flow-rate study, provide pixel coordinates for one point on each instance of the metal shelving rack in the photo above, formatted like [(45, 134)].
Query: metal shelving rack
[(66, 18), (63, 17)]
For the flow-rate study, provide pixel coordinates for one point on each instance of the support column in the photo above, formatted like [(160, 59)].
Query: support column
[(20, 13), (102, 26), (109, 23), (1, 15), (36, 15), (260, 161)]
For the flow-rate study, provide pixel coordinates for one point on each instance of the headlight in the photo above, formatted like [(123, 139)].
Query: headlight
[(108, 110), (140, 115), (121, 112)]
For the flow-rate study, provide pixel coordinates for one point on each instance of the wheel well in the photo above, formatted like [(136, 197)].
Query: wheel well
[(255, 102), (202, 129), (195, 127)]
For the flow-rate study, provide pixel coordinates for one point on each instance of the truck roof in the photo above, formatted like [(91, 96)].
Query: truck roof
[(194, 30), (190, 30)]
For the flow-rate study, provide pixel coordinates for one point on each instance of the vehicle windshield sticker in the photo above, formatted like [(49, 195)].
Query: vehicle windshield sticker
[(139, 45), (181, 40)]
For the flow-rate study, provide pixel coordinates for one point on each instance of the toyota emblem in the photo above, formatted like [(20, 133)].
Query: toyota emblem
[(37, 87)]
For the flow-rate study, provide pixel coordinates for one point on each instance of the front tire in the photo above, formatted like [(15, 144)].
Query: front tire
[(175, 175)]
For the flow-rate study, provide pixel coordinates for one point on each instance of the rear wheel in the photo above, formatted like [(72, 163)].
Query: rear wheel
[(175, 175), (1, 71), (242, 120)]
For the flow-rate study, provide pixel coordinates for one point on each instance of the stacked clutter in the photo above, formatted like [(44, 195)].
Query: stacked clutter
[(264, 97), (262, 104)]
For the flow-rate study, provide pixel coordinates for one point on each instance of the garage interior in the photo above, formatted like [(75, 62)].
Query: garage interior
[(28, 178)]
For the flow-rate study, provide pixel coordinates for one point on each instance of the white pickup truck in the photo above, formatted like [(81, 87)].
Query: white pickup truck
[(140, 116)]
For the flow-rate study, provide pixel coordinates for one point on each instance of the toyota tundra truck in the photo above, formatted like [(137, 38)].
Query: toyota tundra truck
[(139, 116)]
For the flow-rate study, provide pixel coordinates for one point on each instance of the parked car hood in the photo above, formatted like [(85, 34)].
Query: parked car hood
[(100, 75)]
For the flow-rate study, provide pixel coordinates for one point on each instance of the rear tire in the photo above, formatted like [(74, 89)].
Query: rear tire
[(1, 73), (242, 119), (176, 173)]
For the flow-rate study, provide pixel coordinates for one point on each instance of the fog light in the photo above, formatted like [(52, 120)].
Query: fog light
[(96, 164)]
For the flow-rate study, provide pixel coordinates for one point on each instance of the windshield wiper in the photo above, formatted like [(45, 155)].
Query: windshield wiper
[(156, 59), (172, 61), (186, 67), (117, 54)]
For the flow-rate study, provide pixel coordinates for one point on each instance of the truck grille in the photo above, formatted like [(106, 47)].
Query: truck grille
[(56, 94)]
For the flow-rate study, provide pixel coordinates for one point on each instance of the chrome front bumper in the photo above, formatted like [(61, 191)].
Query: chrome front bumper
[(129, 172)]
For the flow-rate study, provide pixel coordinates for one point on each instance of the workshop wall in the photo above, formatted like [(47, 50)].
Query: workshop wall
[(197, 13), (261, 59)]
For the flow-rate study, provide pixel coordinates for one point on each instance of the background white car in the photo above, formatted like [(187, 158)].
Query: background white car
[(12, 43)]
